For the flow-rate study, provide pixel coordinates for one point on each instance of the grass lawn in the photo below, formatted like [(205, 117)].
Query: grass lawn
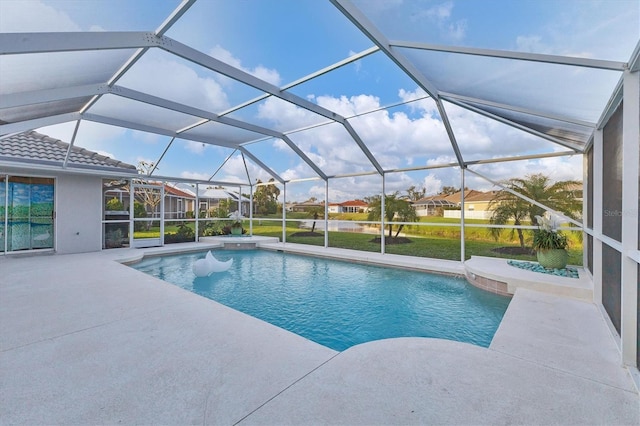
[(438, 242), (422, 246)]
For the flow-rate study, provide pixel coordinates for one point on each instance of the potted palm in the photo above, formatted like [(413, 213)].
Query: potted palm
[(549, 243), (236, 224)]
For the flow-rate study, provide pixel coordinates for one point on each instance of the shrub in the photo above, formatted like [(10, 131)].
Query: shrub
[(114, 205)]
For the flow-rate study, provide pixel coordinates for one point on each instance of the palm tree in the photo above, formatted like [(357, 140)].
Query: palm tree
[(392, 206), (559, 196)]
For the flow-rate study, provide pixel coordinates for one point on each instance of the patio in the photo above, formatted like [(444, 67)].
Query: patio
[(86, 339)]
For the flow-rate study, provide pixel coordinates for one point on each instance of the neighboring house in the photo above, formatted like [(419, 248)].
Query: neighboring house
[(176, 201), (432, 205), (307, 206), (476, 204), (44, 206), (351, 206), (209, 199)]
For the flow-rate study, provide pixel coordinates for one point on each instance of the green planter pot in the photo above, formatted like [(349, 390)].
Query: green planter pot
[(236, 230), (553, 259)]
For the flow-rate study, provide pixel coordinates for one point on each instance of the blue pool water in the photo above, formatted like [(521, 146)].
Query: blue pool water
[(339, 304)]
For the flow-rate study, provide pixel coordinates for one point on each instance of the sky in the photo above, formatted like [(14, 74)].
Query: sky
[(281, 41)]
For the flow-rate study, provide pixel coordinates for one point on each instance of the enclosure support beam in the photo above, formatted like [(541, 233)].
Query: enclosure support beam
[(462, 254), (284, 212), (630, 175), (326, 213), (598, 174), (382, 213)]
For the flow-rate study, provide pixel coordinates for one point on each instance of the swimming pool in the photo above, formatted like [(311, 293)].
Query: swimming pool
[(339, 304)]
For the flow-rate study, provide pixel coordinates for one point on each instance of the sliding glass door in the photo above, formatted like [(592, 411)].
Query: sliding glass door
[(26, 211)]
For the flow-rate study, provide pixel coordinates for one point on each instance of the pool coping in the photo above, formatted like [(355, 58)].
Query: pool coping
[(230, 368)]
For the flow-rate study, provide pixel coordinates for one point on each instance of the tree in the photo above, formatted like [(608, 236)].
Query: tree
[(449, 190), (315, 213), (559, 196), (149, 197), (265, 198), (415, 194), (393, 206)]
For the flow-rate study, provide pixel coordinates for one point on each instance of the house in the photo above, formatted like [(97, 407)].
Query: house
[(307, 206), (432, 205), (209, 200), (49, 185), (351, 206), (177, 203), (476, 204)]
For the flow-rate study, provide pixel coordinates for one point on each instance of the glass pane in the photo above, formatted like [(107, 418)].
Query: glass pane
[(221, 132), (125, 109), (538, 86), (307, 26), (179, 231), (410, 135), (481, 138), (333, 149), (29, 112), (3, 211), (277, 114), (565, 131), (569, 27), (196, 160), (30, 213), (190, 84), (30, 72), (96, 15), (348, 90), (285, 162), (116, 213)]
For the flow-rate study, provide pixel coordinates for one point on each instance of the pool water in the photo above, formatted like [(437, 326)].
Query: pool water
[(339, 304)]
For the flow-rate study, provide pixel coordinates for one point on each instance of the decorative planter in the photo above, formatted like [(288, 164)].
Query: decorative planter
[(236, 230), (553, 259)]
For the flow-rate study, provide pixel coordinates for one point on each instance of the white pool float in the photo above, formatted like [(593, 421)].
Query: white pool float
[(207, 266)]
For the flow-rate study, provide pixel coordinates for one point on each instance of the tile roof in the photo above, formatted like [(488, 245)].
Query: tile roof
[(34, 147), (355, 203)]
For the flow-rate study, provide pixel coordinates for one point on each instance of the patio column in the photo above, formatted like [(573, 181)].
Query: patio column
[(326, 213), (630, 176), (382, 212), (462, 254), (250, 209), (284, 212), (196, 213), (598, 146)]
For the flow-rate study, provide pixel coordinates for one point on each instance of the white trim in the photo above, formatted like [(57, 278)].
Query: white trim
[(597, 176), (630, 173)]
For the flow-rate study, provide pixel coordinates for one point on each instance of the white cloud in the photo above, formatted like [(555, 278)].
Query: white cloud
[(267, 74), (194, 175), (151, 74), (106, 154), (431, 184), (195, 147), (441, 16), (33, 16)]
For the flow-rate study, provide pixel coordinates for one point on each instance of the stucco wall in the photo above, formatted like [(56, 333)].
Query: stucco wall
[(78, 213)]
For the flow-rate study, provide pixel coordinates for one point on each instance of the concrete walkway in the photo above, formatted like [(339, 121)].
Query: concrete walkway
[(86, 340)]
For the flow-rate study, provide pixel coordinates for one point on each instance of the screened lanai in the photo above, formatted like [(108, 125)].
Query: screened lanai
[(338, 100)]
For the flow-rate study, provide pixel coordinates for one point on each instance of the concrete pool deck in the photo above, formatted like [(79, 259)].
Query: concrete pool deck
[(87, 340)]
